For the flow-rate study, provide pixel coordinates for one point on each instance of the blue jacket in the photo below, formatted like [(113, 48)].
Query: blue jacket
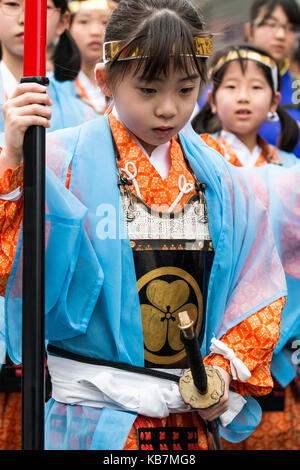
[(68, 110)]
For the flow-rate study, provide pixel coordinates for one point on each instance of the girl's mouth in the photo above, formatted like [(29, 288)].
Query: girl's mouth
[(163, 131), (243, 113), (20, 36), (95, 45)]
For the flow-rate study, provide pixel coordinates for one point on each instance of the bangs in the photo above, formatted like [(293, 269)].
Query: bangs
[(290, 8), (163, 41), (243, 63)]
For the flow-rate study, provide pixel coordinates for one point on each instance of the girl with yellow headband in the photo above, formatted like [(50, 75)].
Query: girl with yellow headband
[(245, 84), (152, 225), (244, 92), (87, 26)]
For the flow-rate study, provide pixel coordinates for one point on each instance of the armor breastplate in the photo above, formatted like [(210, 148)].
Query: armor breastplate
[(173, 256)]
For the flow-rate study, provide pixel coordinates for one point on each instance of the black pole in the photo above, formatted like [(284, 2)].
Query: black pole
[(33, 307)]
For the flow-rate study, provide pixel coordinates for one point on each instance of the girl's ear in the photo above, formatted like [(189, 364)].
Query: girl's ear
[(101, 79), (275, 102), (63, 23), (211, 101), (248, 32)]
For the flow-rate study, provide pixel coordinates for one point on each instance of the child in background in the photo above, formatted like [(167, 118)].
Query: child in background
[(120, 267), (274, 25), (87, 26), (67, 109), (244, 92)]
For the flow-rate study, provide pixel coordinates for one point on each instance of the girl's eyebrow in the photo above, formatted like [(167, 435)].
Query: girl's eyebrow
[(190, 77), (184, 79), (85, 15)]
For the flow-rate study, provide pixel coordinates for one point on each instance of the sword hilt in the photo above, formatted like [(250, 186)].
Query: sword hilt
[(201, 386)]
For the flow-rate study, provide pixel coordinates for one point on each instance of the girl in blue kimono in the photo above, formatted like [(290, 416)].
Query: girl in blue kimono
[(152, 224), (67, 110)]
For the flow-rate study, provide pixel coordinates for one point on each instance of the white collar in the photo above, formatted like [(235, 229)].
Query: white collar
[(160, 158), (9, 81), (244, 155), (93, 92)]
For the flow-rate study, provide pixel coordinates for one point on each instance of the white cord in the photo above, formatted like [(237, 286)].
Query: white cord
[(184, 188), (132, 176)]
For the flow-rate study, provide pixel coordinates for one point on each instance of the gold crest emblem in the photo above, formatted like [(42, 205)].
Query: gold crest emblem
[(164, 293)]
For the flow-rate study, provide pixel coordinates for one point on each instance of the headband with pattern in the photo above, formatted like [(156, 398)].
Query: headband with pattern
[(203, 48), (250, 55), (75, 6)]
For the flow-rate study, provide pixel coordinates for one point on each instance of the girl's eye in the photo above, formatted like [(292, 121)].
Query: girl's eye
[(148, 91), (257, 87), (231, 87), (187, 91)]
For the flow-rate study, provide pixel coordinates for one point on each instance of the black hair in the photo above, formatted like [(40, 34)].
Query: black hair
[(66, 56), (159, 28), (206, 121), (290, 7)]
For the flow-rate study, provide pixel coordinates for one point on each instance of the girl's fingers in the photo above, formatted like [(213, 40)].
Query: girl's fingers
[(214, 412), (32, 109), (28, 87), (23, 122), (27, 98)]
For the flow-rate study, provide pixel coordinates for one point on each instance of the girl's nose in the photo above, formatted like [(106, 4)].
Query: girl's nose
[(21, 16), (243, 95), (280, 32), (166, 108), (95, 29)]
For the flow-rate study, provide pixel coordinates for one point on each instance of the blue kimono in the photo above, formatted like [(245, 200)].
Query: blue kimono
[(283, 366), (92, 303), (68, 109)]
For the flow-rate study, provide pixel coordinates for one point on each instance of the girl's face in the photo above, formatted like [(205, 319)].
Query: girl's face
[(88, 29), (276, 34), (243, 99), (12, 25), (155, 111)]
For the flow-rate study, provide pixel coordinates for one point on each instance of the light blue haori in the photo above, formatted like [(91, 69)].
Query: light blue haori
[(92, 303), (68, 110), (282, 199), (279, 191)]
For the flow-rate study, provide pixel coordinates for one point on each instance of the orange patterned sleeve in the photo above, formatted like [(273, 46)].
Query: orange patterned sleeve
[(253, 341), (11, 213)]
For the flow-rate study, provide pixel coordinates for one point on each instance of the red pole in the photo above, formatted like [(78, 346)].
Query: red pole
[(34, 64), (33, 306)]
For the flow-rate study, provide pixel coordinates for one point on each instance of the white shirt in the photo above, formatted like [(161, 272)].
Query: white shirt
[(244, 155), (95, 95), (9, 81)]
